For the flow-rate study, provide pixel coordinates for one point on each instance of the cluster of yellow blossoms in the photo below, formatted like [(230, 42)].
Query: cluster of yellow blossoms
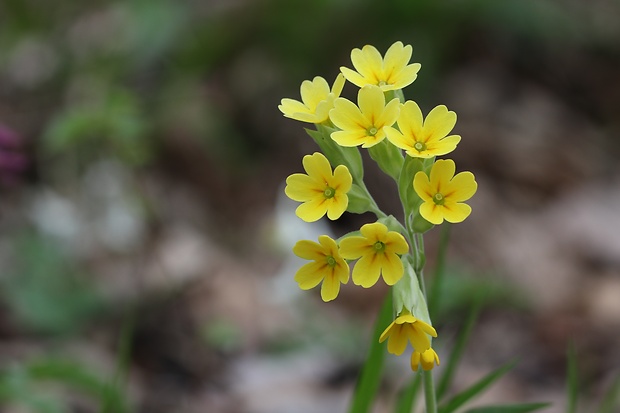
[(404, 144)]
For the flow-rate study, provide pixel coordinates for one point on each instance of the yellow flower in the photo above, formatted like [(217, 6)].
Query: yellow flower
[(327, 267), (424, 139), (389, 73), (407, 328), (317, 100), (427, 359), (363, 125), (443, 194), (378, 249), (321, 191)]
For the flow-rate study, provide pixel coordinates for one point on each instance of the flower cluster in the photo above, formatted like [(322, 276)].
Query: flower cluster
[(405, 145)]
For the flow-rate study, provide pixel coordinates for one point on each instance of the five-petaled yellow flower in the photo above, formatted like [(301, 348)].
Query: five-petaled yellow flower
[(424, 138), (317, 100), (377, 250), (321, 191), (443, 194), (327, 267), (427, 359), (407, 328), (363, 125), (389, 73)]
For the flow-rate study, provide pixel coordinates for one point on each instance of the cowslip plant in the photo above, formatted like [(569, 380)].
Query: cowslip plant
[(405, 145)]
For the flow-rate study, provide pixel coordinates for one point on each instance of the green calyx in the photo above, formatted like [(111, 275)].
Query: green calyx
[(438, 199)]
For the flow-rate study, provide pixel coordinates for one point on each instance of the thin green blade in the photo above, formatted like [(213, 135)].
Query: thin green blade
[(510, 408)]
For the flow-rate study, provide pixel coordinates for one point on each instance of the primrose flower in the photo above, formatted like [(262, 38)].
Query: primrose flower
[(317, 100), (407, 328), (424, 139), (427, 359), (443, 194), (321, 191), (363, 125), (389, 73), (377, 250), (327, 267)]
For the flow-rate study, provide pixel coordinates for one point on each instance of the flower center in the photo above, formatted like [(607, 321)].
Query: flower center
[(419, 146), (372, 131), (329, 192), (382, 83), (379, 246), (331, 261), (438, 198)]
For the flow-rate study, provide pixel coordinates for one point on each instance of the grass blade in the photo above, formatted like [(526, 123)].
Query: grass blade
[(408, 396), (370, 376), (475, 389), (510, 408)]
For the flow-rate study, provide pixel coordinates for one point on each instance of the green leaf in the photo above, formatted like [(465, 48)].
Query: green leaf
[(474, 390), (388, 157), (370, 376), (408, 396), (510, 408)]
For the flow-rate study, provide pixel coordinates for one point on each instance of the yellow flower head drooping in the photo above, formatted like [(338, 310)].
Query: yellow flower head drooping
[(377, 250), (321, 191), (391, 72), (407, 328), (427, 359), (327, 266), (363, 125), (443, 194), (424, 139), (316, 100)]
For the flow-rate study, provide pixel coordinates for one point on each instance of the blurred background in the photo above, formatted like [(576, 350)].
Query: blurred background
[(145, 260)]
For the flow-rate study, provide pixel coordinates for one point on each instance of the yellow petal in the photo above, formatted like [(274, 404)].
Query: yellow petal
[(290, 107), (312, 210), (386, 333), (367, 62), (312, 92), (391, 268), (317, 166), (352, 248), (311, 274), (301, 188), (423, 187), (410, 121), (427, 328), (397, 343), (389, 115), (337, 205), (397, 138), (456, 212), (347, 116), (419, 340), (405, 77), (439, 122), (396, 58), (338, 85), (329, 245), (441, 173), (341, 270), (462, 187), (444, 146), (415, 360), (342, 180), (309, 250), (366, 271), (330, 288), (353, 77), (431, 212), (396, 243), (371, 102), (350, 138), (374, 232)]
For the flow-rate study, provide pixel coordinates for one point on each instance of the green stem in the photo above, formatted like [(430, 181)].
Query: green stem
[(429, 392)]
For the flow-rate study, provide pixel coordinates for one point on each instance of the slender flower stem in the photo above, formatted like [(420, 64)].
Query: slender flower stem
[(429, 392)]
